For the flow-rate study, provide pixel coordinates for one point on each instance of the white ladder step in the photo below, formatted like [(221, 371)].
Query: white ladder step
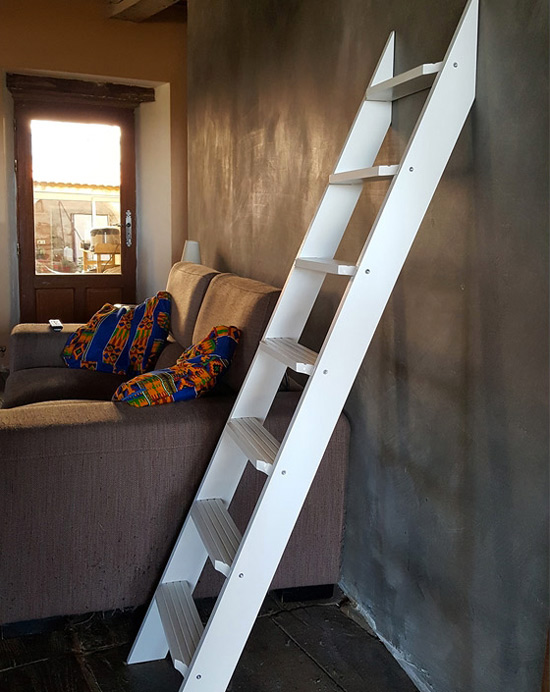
[(180, 620), (361, 175), (218, 532), (255, 441), (417, 79), (291, 353), (327, 266)]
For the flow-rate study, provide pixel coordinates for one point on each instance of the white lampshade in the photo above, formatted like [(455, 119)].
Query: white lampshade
[(191, 252)]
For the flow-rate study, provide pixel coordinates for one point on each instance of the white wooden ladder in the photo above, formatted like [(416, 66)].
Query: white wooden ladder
[(207, 656)]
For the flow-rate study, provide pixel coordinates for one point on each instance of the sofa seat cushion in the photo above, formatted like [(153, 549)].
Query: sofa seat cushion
[(53, 384)]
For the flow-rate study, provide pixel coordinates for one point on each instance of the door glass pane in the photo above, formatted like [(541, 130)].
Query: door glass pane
[(76, 186)]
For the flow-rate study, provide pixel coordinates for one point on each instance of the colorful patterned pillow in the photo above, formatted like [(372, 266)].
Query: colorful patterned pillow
[(221, 340), (196, 372), (124, 341)]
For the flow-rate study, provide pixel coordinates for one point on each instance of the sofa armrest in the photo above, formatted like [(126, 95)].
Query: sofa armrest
[(38, 346)]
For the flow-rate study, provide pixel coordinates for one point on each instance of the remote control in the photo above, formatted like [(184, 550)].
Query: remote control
[(56, 325)]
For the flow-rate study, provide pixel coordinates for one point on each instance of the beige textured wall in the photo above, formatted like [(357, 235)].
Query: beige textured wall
[(70, 38), (153, 150)]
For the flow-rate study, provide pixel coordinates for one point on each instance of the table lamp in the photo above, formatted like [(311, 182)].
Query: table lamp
[(191, 252)]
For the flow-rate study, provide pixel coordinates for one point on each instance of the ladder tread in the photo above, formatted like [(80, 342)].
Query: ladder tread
[(404, 84), (328, 266), (180, 620), (255, 441), (288, 351), (361, 175), (218, 532)]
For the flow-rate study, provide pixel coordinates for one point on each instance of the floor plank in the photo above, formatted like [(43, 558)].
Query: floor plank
[(347, 653), (111, 673), (21, 651), (59, 674), (100, 631), (271, 662)]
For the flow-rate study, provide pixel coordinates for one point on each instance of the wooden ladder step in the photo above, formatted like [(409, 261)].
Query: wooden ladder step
[(326, 266), (361, 175), (291, 353), (181, 622), (255, 441), (404, 84), (218, 532)]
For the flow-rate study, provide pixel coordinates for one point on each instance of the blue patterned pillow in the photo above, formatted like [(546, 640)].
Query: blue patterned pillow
[(124, 341)]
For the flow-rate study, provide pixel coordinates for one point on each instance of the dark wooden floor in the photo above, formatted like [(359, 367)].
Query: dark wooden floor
[(302, 646)]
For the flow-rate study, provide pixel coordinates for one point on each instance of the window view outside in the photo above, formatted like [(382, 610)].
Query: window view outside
[(76, 183)]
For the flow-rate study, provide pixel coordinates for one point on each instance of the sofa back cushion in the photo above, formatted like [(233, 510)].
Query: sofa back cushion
[(187, 283), (244, 303)]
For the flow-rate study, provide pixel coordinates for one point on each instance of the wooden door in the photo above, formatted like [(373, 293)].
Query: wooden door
[(77, 246)]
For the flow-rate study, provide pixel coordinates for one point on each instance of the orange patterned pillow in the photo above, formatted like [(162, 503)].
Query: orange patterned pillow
[(190, 378)]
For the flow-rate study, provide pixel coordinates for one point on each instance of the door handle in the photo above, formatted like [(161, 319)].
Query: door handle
[(128, 227)]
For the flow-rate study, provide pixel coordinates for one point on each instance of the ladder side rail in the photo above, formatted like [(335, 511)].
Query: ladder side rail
[(430, 147), (302, 286), (325, 233), (388, 244), (333, 214), (361, 145), (260, 386), (263, 545), (431, 143), (220, 480), (392, 235), (321, 240)]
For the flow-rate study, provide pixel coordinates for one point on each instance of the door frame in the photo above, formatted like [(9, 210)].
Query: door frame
[(75, 101)]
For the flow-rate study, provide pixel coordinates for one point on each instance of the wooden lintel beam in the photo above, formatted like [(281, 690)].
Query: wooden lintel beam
[(27, 88), (138, 10)]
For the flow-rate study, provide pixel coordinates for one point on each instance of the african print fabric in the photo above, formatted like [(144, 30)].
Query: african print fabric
[(124, 340), (196, 372)]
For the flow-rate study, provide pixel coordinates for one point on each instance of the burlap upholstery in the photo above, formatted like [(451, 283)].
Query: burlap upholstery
[(242, 303)]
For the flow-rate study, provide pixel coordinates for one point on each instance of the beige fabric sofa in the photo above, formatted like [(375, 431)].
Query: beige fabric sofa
[(94, 493)]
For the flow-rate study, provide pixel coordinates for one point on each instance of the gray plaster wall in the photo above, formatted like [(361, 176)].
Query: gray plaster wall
[(446, 547)]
